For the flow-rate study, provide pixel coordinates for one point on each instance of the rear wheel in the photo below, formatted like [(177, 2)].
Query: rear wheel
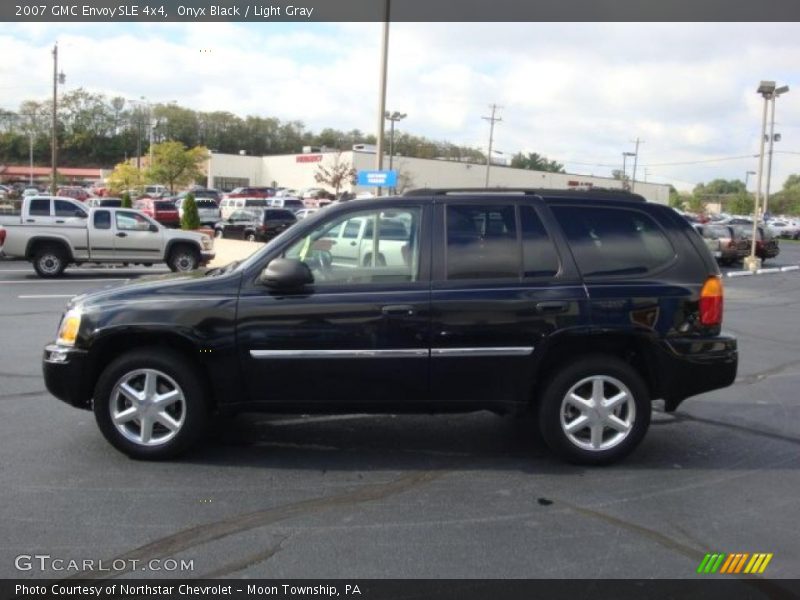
[(250, 237), (595, 410), (149, 404), (50, 261), (183, 259)]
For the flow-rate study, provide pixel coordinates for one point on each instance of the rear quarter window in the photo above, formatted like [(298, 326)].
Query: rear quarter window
[(614, 242)]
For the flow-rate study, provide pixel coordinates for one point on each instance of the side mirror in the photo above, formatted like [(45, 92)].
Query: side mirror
[(153, 228), (286, 274)]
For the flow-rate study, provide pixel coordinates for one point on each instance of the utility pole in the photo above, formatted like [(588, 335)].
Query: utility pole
[(54, 155), (773, 137), (635, 160), (492, 120), (382, 93)]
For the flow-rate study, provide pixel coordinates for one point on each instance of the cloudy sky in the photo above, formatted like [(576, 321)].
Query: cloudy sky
[(578, 93)]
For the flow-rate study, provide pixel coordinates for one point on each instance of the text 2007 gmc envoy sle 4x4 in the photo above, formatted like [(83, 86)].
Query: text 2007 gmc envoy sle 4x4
[(582, 306)]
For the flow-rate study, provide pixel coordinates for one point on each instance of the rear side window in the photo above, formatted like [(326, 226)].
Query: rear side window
[(282, 215), (39, 208), (612, 241), (482, 242), (66, 209), (102, 219), (539, 258)]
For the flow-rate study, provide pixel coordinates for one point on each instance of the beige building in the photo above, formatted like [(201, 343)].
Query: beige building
[(296, 171)]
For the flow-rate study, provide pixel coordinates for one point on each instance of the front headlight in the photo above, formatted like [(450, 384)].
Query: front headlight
[(68, 330), (207, 242)]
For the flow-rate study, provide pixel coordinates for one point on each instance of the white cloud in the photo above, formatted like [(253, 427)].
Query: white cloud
[(577, 92)]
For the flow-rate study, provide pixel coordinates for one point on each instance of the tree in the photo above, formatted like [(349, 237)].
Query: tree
[(190, 219), (536, 162), (337, 175), (175, 165), (124, 177), (676, 200), (742, 204), (126, 200)]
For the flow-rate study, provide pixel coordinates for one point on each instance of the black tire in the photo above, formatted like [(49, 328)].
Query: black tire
[(183, 259), (218, 233), (50, 260), (552, 402), (194, 409), (250, 237)]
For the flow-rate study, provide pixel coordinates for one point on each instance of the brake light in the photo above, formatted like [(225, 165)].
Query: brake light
[(711, 301)]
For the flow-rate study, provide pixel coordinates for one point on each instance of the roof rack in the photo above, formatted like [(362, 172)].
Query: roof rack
[(549, 192)]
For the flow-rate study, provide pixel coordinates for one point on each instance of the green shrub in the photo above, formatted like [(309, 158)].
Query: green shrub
[(126, 200), (190, 218)]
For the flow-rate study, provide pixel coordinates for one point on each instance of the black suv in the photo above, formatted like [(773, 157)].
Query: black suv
[(581, 306), (255, 225)]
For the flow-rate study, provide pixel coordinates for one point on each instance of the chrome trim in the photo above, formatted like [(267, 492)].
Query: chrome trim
[(487, 351), (389, 353)]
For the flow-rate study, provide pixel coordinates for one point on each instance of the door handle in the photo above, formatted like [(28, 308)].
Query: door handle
[(557, 306), (352, 243), (30, 220), (398, 310), (59, 220), (122, 234)]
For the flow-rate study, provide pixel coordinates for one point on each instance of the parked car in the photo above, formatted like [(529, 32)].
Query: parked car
[(30, 191), (104, 201), (47, 210), (72, 191), (255, 225), (2, 237), (198, 193), (106, 235), (733, 243), (305, 212), (229, 205), (766, 244), (207, 210), (512, 303), (251, 192), (163, 211), (153, 191), (293, 204), (784, 229)]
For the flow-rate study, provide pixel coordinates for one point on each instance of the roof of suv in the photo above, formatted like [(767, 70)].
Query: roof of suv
[(610, 194)]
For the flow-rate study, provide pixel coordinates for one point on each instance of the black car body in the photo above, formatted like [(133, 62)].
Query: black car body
[(581, 306), (255, 225)]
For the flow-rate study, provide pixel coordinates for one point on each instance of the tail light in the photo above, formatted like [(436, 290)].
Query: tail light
[(711, 301)]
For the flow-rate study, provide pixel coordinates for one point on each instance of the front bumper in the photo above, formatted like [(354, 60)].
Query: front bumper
[(66, 375), (691, 366), (206, 257)]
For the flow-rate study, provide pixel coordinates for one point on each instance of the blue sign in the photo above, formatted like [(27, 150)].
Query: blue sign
[(377, 178)]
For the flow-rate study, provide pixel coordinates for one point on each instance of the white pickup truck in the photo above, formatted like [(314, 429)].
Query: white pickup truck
[(54, 232)]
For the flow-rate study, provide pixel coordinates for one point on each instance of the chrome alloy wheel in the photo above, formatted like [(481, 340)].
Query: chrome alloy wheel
[(147, 407), (185, 262), (597, 413), (50, 263)]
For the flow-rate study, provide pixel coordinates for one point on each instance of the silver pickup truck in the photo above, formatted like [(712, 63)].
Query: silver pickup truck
[(53, 233)]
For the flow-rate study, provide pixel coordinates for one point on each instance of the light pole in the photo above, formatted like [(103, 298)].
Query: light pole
[(766, 89), (57, 78), (382, 93), (747, 177), (393, 118), (625, 156), (773, 137)]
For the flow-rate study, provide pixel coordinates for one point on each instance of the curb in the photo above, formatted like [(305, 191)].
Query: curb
[(762, 271)]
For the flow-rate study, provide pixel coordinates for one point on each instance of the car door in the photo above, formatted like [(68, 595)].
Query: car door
[(69, 213), (355, 337), (39, 212), (236, 225), (134, 239), (502, 284), (101, 235)]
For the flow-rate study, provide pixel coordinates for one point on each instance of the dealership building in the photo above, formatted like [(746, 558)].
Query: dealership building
[(296, 171)]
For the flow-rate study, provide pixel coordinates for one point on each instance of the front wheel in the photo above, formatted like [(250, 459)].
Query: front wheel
[(149, 404), (594, 411), (250, 237), (183, 259)]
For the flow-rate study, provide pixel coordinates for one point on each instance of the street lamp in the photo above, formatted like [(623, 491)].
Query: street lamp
[(57, 78), (773, 137), (393, 118), (625, 156), (747, 177), (766, 89)]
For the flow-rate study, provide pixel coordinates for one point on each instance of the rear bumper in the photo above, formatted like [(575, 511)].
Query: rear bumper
[(65, 375), (691, 366)]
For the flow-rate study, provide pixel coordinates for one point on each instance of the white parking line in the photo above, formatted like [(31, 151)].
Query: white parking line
[(48, 296), (76, 281)]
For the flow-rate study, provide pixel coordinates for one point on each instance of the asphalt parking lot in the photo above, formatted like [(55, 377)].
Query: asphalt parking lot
[(406, 496)]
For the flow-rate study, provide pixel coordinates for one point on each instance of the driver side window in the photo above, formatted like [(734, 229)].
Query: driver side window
[(377, 246)]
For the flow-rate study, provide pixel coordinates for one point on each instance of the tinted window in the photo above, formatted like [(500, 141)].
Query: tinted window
[(165, 205), (39, 208), (482, 242), (390, 230), (282, 215), (206, 204), (539, 258), (610, 241), (102, 219), (352, 228), (127, 221), (66, 209), (255, 202)]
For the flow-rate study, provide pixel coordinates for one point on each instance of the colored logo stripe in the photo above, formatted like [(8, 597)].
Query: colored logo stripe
[(734, 563)]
